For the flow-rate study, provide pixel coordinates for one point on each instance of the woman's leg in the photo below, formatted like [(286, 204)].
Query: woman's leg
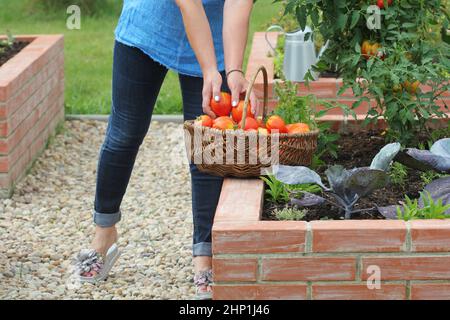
[(205, 188), (137, 80)]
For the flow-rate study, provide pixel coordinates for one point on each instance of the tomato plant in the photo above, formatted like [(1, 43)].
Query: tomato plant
[(409, 51)]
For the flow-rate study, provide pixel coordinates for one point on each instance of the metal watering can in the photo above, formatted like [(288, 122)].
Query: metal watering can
[(299, 54)]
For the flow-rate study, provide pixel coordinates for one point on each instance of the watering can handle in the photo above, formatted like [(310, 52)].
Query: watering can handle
[(324, 47), (274, 27)]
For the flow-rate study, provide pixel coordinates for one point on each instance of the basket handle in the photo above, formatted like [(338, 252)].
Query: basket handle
[(249, 91)]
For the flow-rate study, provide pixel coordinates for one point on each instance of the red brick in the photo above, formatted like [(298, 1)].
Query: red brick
[(322, 88), (410, 267), (430, 291), (235, 269), (28, 62), (260, 292), (259, 237), (308, 268), (18, 160), (358, 292), (358, 236), (29, 88), (31, 128), (236, 195), (49, 90), (430, 235)]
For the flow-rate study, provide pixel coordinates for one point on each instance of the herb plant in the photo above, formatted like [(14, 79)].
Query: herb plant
[(428, 176), (279, 192), (290, 213), (431, 209), (6, 44), (276, 190), (433, 203), (398, 174), (294, 108)]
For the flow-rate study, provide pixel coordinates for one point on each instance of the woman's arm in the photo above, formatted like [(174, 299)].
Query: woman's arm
[(200, 37), (235, 34)]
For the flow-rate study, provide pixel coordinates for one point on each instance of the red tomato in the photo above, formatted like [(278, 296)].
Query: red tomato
[(276, 123), (380, 3), (223, 107), (250, 124), (239, 110), (204, 120), (223, 123)]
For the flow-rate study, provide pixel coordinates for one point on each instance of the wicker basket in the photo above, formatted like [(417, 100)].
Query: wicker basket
[(241, 153)]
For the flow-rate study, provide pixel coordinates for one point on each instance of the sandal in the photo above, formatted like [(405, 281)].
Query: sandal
[(202, 282), (91, 267)]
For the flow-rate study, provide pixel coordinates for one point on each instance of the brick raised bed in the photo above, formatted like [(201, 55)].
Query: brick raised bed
[(324, 88), (254, 259), (31, 105)]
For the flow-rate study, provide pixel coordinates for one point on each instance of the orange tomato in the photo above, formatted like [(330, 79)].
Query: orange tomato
[(223, 107), (297, 128), (365, 48), (223, 123), (250, 124), (371, 49), (276, 123), (411, 87), (239, 110), (204, 120)]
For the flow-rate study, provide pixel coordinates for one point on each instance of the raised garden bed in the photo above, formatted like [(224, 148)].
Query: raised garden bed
[(255, 259), (357, 150), (31, 103)]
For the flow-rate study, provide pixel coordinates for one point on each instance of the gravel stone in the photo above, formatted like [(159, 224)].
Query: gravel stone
[(49, 219)]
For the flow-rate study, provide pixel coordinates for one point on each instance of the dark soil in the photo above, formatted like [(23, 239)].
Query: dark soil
[(11, 51), (358, 150)]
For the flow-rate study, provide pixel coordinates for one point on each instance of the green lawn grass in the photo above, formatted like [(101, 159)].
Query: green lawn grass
[(88, 52)]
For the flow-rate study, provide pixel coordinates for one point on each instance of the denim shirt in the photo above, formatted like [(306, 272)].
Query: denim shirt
[(156, 27)]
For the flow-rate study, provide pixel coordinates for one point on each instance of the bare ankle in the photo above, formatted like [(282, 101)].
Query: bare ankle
[(104, 238)]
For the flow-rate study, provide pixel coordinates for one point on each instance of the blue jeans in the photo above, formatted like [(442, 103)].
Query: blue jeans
[(137, 80)]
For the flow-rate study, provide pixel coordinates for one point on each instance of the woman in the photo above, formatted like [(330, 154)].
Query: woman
[(204, 41)]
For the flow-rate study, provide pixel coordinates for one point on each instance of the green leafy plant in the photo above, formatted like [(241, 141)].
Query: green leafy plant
[(6, 44), (276, 190), (294, 108), (428, 176), (408, 51), (279, 192), (289, 213), (398, 174), (431, 209), (346, 187), (433, 203)]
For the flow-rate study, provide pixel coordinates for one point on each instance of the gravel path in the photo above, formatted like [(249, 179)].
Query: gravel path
[(49, 219)]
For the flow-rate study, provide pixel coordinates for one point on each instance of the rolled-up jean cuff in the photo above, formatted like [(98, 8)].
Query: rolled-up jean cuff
[(202, 249), (106, 220)]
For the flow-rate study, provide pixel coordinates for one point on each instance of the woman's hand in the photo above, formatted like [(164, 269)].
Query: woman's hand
[(212, 82), (238, 85)]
